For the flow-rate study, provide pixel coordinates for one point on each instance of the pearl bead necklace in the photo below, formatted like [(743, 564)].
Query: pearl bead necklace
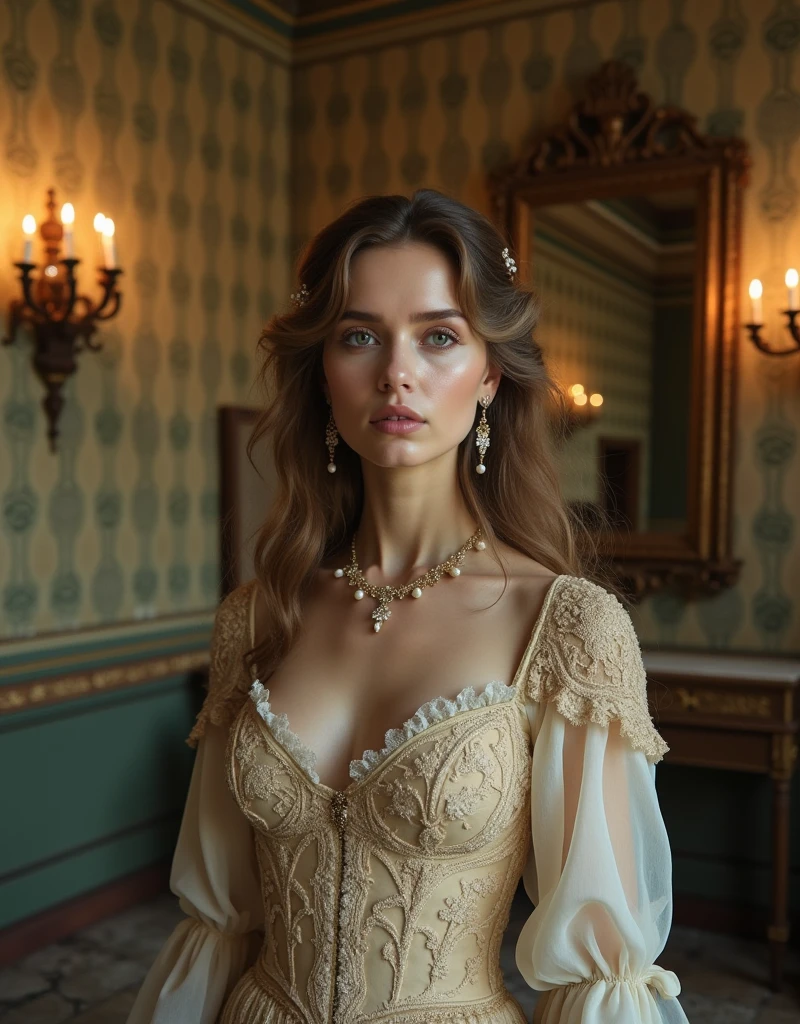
[(384, 595)]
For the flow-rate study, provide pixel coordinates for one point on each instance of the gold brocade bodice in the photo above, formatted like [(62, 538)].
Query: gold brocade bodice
[(386, 901)]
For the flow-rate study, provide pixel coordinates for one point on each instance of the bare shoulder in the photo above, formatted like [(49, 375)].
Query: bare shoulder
[(528, 574)]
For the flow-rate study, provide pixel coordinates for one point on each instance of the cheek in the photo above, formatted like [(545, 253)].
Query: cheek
[(344, 376), (452, 390)]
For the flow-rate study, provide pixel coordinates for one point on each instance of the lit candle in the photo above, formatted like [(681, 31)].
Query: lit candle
[(99, 221), (792, 279), (68, 219), (109, 248), (29, 227), (756, 292)]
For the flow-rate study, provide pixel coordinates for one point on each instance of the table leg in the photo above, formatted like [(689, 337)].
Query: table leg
[(778, 931)]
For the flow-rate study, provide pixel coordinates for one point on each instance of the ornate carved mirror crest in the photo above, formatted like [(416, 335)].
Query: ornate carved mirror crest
[(627, 222)]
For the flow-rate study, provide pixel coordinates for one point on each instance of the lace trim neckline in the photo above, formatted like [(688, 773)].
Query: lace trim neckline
[(437, 710)]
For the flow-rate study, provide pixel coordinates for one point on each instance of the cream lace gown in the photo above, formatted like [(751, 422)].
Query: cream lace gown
[(387, 901)]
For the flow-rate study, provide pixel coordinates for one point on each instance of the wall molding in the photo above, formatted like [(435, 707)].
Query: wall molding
[(79, 684), (42, 671), (359, 27)]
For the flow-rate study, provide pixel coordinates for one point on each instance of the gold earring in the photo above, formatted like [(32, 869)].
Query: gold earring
[(331, 439), (482, 434)]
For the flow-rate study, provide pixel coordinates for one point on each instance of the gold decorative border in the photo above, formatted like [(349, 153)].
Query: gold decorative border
[(44, 693)]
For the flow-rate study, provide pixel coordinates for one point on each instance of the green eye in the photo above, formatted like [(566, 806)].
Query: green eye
[(443, 339)]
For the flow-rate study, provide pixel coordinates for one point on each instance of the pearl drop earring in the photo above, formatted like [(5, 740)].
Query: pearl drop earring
[(482, 434), (331, 439)]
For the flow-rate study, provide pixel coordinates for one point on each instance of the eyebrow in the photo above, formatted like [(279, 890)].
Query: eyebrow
[(431, 314)]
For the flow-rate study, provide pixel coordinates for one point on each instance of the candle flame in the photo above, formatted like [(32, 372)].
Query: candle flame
[(67, 214), (29, 224), (596, 399), (99, 221), (580, 399), (576, 389), (756, 290), (108, 227), (792, 278)]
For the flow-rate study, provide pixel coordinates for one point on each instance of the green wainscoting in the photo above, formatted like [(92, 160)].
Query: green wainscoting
[(94, 786)]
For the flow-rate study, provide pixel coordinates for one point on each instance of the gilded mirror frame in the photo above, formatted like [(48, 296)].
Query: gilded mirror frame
[(616, 141)]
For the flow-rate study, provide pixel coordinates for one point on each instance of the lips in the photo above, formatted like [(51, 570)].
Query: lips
[(397, 411)]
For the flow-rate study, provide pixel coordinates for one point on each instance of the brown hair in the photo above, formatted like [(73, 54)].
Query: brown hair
[(517, 501)]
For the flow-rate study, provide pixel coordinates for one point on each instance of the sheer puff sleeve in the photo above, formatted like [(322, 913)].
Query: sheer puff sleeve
[(599, 872), (214, 870)]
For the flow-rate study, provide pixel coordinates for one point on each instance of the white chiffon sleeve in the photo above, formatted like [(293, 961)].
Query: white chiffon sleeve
[(599, 874), (215, 875), (600, 869)]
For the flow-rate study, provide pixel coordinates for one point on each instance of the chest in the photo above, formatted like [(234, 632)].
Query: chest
[(342, 686)]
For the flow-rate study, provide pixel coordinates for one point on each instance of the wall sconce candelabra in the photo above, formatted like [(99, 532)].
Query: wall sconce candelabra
[(792, 280), (582, 409), (62, 321)]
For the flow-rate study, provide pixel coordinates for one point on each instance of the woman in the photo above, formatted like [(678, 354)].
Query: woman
[(334, 871)]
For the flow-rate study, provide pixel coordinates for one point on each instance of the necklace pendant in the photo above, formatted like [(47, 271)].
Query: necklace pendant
[(380, 615)]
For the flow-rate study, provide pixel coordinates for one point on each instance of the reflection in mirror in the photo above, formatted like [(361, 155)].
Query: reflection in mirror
[(617, 278)]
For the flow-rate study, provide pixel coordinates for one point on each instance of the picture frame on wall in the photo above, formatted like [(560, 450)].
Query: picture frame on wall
[(245, 495)]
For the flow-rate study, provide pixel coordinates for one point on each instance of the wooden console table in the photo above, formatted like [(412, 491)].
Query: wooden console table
[(738, 712)]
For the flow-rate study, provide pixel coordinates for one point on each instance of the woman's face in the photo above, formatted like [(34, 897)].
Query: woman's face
[(403, 340)]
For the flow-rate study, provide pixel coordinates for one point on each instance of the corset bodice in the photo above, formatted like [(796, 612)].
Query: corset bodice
[(389, 899)]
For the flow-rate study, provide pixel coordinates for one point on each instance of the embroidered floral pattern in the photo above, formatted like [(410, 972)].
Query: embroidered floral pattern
[(227, 678), (471, 770), (589, 664), (436, 710)]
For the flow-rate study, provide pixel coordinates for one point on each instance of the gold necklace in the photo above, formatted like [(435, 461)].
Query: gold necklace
[(386, 594)]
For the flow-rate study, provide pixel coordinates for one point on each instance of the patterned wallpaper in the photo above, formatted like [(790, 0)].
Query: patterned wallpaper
[(177, 130), (175, 127)]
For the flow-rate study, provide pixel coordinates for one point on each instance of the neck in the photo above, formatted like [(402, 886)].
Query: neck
[(413, 518)]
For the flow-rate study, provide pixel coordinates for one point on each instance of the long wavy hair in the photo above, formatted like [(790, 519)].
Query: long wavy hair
[(517, 501)]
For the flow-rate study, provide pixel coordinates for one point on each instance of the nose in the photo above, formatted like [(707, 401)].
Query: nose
[(397, 368)]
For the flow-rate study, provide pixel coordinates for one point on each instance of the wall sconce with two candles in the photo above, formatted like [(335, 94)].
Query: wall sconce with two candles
[(62, 321), (582, 409), (792, 280)]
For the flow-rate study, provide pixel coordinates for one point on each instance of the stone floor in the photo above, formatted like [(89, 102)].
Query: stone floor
[(92, 977)]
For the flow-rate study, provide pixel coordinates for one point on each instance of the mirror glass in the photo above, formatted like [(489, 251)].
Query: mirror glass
[(616, 278)]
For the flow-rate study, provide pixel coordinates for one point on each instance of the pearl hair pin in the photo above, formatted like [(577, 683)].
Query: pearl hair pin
[(299, 298), (386, 594)]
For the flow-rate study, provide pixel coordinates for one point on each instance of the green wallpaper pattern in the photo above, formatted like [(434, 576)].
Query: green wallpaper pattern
[(177, 129), (219, 163)]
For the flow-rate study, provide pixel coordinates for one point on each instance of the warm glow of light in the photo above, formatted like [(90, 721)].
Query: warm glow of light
[(576, 389), (596, 399), (99, 221), (51, 271), (29, 224), (792, 278), (581, 399), (108, 227), (67, 214), (756, 290)]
